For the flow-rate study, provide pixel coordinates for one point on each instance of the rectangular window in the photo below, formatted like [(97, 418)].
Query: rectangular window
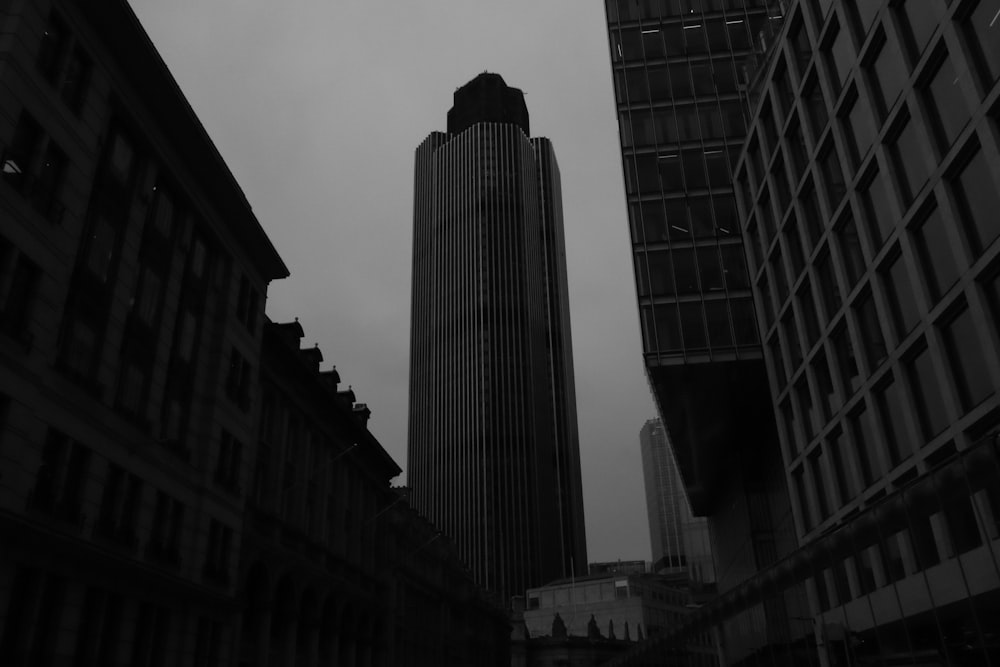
[(791, 336), (839, 54), (871, 331), (693, 325), (815, 103), (23, 151), (902, 296), (824, 383), (978, 202), (926, 388), (812, 218), (217, 552), (807, 310), (744, 321), (19, 299), (846, 361), (74, 87), (893, 410), (907, 154), (803, 498), (55, 44), (859, 128), (945, 101), (816, 470), (890, 75), (934, 246), (229, 461), (864, 443), (807, 409), (61, 477), (982, 32), (850, 251), (833, 175), (46, 192), (166, 531), (880, 215), (965, 353), (734, 267), (845, 482)]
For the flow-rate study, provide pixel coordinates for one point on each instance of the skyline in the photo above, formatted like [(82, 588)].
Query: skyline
[(302, 172)]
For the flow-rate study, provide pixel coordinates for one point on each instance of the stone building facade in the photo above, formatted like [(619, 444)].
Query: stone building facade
[(135, 525)]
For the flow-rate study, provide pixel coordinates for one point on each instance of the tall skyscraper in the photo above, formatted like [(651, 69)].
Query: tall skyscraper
[(676, 68), (666, 504), (868, 196), (679, 540), (493, 444)]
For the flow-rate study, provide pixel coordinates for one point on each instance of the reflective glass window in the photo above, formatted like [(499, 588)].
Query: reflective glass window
[(965, 352), (920, 19), (902, 296), (693, 325), (948, 109), (978, 201), (879, 214), (871, 331), (717, 316), (926, 390), (982, 29), (852, 256), (839, 56), (890, 74), (938, 260), (908, 160)]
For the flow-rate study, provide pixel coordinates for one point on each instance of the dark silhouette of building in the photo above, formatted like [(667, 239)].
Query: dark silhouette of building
[(493, 444), (136, 526), (336, 567), (867, 191), (676, 69)]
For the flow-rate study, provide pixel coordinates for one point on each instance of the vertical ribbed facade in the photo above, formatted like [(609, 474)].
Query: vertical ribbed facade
[(493, 452), (666, 503)]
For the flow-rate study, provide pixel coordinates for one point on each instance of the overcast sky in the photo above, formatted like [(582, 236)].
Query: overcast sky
[(318, 105)]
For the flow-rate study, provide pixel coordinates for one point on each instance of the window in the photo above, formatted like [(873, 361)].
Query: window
[(34, 619), (815, 103), (229, 461), (120, 504), (850, 251), (239, 379), (147, 298), (934, 245), (816, 469), (668, 331), (734, 267), (859, 128), (878, 211), (920, 19), (807, 310), (839, 56), (101, 248), (693, 325), (217, 553), (781, 189), (978, 203), (74, 88), (965, 352), (710, 269), (812, 218), (833, 175), (893, 410), (60, 478), (963, 528), (845, 483), (871, 331), (864, 442), (24, 149), (846, 361), (47, 188), (824, 383), (948, 110), (926, 390), (744, 321), (80, 348), (890, 74), (717, 315), (902, 296), (779, 362), (791, 336), (807, 409), (18, 299), (982, 30), (165, 534), (906, 152), (803, 499), (55, 43), (247, 304), (685, 271), (801, 48)]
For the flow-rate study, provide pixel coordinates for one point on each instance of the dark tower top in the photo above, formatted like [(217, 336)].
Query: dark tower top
[(487, 99)]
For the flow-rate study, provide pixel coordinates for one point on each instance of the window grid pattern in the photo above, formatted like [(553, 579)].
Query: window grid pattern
[(872, 266), (677, 72)]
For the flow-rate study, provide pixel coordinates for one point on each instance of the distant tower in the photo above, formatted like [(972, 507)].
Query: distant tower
[(493, 444), (666, 504)]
